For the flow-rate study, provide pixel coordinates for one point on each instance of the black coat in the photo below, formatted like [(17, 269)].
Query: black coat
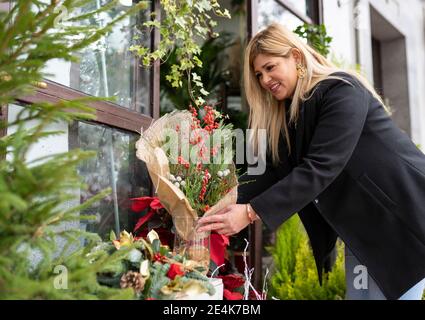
[(355, 175)]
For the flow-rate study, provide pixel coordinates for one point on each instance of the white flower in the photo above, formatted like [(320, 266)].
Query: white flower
[(226, 172), (220, 173), (177, 184), (144, 268), (152, 235), (134, 255), (172, 178), (179, 179), (183, 183)]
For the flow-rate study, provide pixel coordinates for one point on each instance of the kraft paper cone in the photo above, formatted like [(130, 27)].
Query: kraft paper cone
[(172, 198)]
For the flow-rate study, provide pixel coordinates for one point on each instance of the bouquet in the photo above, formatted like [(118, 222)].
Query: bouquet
[(149, 269), (190, 161)]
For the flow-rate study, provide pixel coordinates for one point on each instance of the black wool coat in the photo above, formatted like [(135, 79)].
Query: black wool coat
[(352, 174)]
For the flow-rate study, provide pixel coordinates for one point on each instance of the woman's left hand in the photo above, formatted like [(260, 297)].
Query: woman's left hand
[(227, 221)]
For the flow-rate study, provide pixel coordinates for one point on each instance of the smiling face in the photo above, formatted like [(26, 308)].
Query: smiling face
[(277, 75)]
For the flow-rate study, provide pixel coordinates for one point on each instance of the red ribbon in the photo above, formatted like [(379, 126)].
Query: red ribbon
[(218, 244)]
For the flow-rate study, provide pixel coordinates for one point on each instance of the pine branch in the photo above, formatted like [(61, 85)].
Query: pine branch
[(36, 194)]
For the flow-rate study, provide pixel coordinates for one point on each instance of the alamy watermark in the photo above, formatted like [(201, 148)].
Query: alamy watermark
[(360, 281), (60, 282)]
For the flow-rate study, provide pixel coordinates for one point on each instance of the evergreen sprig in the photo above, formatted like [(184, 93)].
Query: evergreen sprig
[(182, 24), (39, 202), (295, 274)]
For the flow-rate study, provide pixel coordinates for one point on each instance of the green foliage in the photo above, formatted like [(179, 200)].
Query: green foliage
[(316, 36), (38, 215), (182, 23), (210, 73), (158, 279), (295, 276)]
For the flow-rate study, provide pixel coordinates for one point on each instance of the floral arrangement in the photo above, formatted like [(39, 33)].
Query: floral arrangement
[(189, 157), (150, 269), (158, 219), (207, 178)]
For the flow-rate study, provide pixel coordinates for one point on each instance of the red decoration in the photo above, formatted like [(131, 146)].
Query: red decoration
[(218, 244), (140, 204), (231, 284), (175, 270), (232, 281), (158, 257), (205, 180), (228, 295)]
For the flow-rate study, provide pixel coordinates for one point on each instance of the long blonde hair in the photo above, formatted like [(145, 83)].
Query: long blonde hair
[(265, 111)]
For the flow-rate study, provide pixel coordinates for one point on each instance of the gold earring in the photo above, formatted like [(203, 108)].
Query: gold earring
[(301, 70)]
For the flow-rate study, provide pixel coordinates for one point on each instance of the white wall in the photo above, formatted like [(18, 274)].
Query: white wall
[(47, 146), (339, 21), (407, 16)]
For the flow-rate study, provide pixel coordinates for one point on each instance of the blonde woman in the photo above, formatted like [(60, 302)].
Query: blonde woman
[(336, 158)]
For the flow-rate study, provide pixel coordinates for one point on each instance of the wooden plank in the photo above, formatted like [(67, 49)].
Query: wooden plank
[(106, 112)]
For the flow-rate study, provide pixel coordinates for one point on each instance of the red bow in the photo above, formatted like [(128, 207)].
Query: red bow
[(218, 244)]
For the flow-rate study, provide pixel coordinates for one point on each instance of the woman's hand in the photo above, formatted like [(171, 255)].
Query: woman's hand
[(227, 221)]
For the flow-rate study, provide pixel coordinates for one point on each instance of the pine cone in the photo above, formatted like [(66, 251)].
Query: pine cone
[(133, 280)]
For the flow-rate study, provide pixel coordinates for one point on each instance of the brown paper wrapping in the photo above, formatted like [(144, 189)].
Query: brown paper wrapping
[(171, 197)]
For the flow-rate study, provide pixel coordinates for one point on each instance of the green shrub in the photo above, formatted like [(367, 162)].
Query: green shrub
[(316, 35), (295, 276)]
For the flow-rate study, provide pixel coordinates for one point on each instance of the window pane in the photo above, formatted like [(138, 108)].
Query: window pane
[(311, 10), (300, 5), (115, 166), (270, 11), (107, 68)]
